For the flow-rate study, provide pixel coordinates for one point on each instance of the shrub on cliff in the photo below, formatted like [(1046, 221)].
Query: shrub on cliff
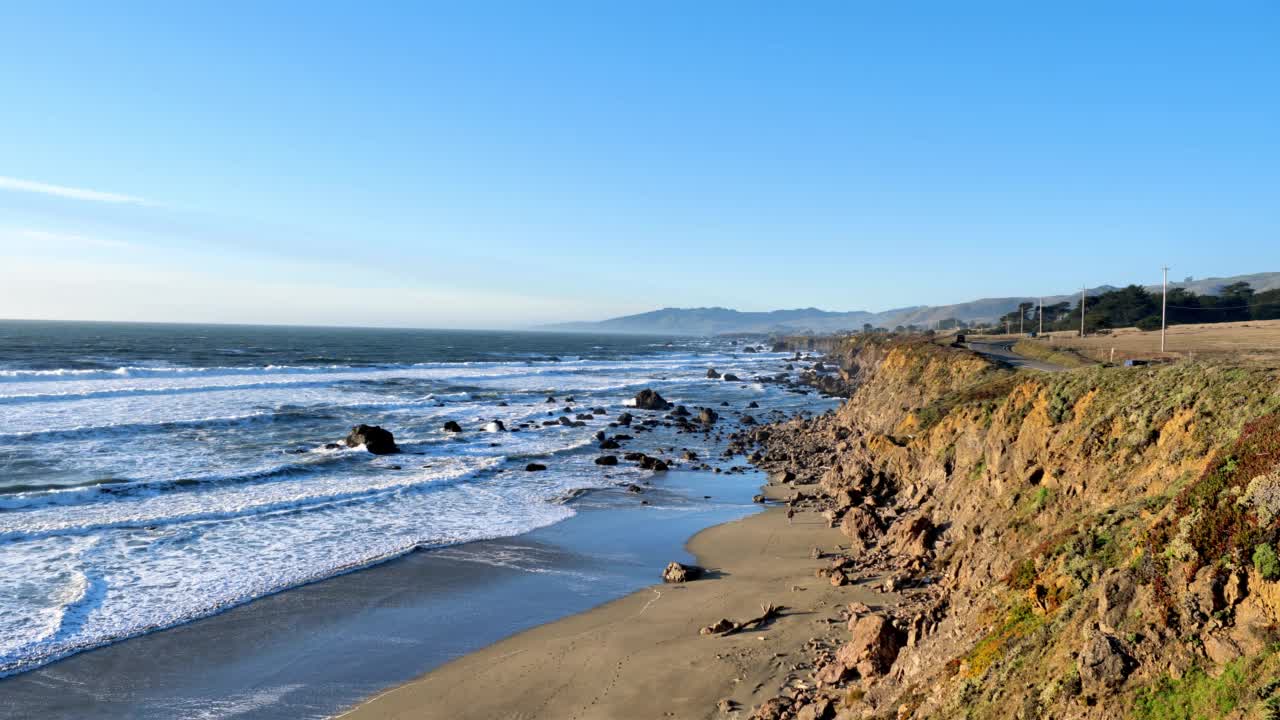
[(1222, 525), (1266, 562)]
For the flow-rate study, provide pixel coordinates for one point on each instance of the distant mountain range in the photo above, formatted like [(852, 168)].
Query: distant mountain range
[(722, 321)]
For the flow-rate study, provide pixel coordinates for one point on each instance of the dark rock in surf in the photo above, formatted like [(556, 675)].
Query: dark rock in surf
[(730, 377), (648, 399), (607, 460), (712, 374), (535, 467), (653, 463), (373, 438), (707, 416), (624, 419), (609, 444), (452, 427)]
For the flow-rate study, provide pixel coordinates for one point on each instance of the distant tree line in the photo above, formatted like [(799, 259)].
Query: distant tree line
[(1134, 306)]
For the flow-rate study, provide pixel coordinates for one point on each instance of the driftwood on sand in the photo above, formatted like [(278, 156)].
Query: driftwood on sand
[(725, 626)]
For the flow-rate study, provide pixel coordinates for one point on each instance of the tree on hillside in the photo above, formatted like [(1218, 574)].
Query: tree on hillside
[(1266, 305), (1055, 312)]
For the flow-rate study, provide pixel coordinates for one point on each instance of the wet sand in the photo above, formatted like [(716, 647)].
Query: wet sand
[(642, 656)]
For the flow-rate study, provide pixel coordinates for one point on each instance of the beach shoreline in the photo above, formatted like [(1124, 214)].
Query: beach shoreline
[(642, 656), (312, 651)]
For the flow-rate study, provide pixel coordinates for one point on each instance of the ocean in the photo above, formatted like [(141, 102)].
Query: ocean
[(152, 475)]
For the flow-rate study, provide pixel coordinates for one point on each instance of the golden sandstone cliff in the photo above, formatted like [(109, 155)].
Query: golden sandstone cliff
[(1096, 543)]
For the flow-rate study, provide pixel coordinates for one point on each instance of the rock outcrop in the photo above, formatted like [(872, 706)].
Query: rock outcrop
[(873, 647), (649, 399), (679, 572), (374, 439)]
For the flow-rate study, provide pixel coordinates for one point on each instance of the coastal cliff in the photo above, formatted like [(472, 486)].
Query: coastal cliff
[(1097, 543)]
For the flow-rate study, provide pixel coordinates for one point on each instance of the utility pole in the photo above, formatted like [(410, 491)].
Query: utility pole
[(1081, 311), (1164, 304)]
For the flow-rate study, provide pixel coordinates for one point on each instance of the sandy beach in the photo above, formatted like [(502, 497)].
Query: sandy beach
[(642, 656)]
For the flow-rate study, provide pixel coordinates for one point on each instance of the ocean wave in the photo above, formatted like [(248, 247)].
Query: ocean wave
[(145, 371), (170, 371), (107, 431), (25, 497), (31, 525), (97, 394), (110, 626)]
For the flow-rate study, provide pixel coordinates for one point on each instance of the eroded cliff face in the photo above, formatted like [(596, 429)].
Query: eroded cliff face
[(1096, 543)]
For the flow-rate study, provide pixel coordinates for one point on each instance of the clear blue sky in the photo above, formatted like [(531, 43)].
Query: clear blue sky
[(501, 164)]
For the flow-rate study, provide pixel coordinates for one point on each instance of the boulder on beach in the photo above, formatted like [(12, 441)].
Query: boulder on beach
[(679, 572), (873, 647), (374, 439), (680, 411), (707, 416), (648, 399), (452, 426)]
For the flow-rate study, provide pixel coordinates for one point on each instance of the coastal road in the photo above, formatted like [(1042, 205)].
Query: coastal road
[(1002, 352)]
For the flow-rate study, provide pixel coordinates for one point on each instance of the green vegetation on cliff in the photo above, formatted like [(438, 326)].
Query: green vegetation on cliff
[(1105, 542)]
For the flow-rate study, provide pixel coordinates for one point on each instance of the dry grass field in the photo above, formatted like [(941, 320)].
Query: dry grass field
[(1250, 341)]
